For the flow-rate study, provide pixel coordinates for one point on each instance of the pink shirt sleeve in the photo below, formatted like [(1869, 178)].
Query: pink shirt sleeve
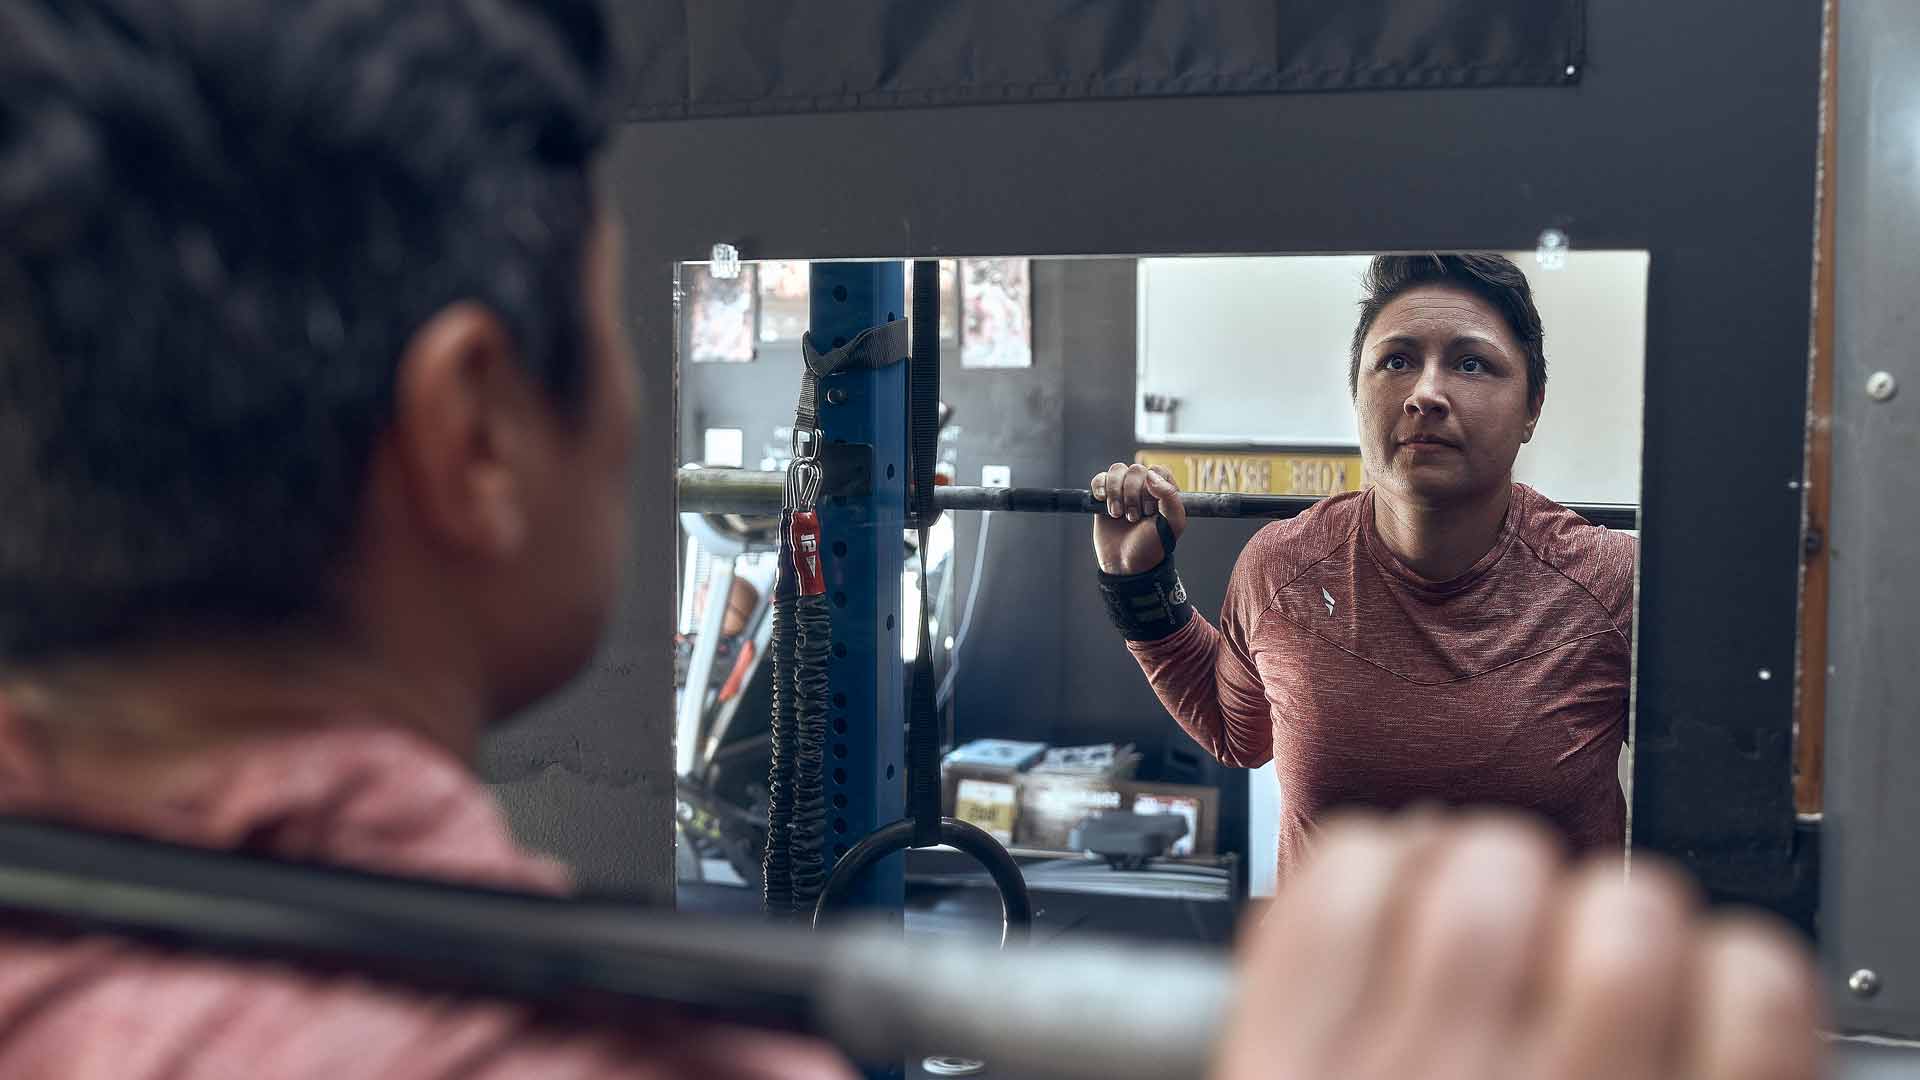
[(1207, 681)]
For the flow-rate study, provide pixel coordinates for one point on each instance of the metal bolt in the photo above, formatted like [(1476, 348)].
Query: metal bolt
[(1864, 983), (1570, 70), (1766, 674), (836, 396), (1881, 386)]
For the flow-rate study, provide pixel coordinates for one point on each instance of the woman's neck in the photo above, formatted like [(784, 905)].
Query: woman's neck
[(1440, 541), (134, 715)]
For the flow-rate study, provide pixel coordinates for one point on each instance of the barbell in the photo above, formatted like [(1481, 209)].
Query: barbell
[(740, 491), (1086, 1011)]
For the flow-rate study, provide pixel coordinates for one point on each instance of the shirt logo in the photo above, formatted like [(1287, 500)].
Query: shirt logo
[(1328, 597)]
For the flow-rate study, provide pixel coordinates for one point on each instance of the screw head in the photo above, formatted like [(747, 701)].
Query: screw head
[(1881, 386), (953, 1066), (1550, 249), (836, 396), (1864, 983)]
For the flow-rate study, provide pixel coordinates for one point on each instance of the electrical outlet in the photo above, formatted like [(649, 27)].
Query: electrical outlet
[(996, 476)]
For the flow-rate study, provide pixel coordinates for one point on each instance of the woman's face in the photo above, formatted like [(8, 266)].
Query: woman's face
[(1441, 397)]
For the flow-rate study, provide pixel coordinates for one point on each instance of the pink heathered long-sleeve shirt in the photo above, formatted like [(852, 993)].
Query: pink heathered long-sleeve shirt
[(370, 797), (1367, 684)]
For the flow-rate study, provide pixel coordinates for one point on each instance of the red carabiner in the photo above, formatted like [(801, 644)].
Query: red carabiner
[(804, 537)]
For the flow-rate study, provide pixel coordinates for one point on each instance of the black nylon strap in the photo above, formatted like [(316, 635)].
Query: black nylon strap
[(875, 347), (923, 394), (923, 431), (923, 730)]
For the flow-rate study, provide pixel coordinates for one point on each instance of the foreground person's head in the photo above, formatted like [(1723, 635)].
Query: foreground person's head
[(307, 334)]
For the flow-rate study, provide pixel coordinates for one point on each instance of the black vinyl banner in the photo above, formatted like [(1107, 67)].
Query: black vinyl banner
[(699, 58)]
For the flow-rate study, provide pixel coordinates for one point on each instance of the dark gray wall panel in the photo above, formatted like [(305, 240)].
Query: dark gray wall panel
[(1873, 739), (1692, 135), (707, 58)]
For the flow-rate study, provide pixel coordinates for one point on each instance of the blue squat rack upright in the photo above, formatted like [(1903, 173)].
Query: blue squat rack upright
[(865, 556)]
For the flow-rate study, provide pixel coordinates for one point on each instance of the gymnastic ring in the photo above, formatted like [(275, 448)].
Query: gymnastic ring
[(1016, 907)]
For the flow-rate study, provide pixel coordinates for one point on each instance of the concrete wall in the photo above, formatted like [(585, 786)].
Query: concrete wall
[(588, 776)]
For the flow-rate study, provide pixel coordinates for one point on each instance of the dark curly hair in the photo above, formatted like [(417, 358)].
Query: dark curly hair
[(220, 223), (1493, 278)]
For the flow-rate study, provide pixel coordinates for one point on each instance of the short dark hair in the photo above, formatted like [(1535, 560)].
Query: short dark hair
[(220, 224), (1493, 278)]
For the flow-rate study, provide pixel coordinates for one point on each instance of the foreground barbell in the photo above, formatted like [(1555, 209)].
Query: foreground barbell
[(1108, 1011), (739, 491)]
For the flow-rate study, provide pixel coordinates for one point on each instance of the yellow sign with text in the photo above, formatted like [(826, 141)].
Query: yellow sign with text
[(1258, 474)]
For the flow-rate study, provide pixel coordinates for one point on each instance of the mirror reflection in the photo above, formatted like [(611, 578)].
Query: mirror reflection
[(1153, 717)]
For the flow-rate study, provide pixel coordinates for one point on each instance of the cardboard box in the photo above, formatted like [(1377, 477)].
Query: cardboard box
[(978, 783), (999, 760), (992, 805), (1050, 806)]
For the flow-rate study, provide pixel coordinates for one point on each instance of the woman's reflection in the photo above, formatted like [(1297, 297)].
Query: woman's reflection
[(1446, 634)]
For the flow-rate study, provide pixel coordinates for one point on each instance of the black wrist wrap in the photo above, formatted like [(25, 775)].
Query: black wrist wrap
[(1148, 606)]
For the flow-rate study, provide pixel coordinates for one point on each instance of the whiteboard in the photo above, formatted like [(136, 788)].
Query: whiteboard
[(1255, 349)]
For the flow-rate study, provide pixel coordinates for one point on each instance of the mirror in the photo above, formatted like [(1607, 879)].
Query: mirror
[(1361, 678)]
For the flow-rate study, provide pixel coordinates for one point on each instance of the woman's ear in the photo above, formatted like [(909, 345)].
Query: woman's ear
[(458, 429)]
